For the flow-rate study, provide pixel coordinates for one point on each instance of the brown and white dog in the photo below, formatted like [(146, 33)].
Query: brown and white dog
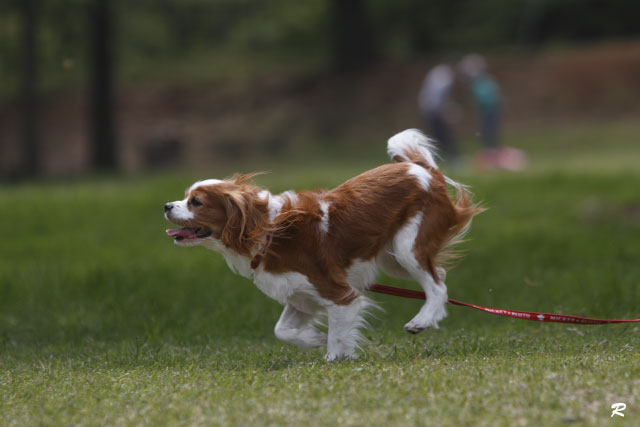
[(316, 251)]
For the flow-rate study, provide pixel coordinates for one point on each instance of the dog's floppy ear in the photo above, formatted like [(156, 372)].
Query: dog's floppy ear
[(246, 221)]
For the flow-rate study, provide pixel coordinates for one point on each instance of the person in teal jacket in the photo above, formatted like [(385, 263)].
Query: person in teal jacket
[(488, 101), (487, 98)]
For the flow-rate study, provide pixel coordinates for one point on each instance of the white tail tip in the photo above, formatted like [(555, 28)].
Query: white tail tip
[(412, 145)]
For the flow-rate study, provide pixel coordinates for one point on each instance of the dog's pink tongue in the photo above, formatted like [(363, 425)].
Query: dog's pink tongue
[(181, 232)]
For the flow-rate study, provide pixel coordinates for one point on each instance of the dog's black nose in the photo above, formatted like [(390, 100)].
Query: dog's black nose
[(168, 207)]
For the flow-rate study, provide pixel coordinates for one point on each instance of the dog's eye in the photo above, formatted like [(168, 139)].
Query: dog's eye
[(195, 202)]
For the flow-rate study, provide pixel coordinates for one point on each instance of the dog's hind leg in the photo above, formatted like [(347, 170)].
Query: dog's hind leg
[(296, 327), (404, 250), (433, 309), (388, 263)]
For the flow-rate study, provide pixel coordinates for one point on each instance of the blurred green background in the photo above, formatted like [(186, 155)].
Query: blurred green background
[(134, 86)]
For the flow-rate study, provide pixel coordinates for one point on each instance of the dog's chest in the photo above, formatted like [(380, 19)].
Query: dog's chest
[(238, 263), (283, 286), (278, 286)]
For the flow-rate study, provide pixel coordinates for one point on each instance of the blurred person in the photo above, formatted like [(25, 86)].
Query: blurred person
[(488, 101), (437, 108)]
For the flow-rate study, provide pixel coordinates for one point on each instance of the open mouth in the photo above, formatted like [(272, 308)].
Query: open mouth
[(189, 233)]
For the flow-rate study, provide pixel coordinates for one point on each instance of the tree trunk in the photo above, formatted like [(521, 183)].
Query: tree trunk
[(30, 157), (101, 90), (352, 44)]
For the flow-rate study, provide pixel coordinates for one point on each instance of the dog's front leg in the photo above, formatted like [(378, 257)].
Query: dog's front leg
[(295, 327), (344, 321)]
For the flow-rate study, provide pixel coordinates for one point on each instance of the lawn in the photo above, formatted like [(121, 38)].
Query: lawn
[(104, 321)]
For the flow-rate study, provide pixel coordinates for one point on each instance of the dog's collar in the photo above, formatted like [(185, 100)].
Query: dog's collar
[(257, 258)]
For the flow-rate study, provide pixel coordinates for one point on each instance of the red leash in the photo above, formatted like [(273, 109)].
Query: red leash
[(526, 315)]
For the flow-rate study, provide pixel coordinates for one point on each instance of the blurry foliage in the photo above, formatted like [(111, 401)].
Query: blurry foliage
[(201, 40)]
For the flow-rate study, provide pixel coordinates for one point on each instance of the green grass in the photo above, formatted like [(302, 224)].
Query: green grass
[(104, 321)]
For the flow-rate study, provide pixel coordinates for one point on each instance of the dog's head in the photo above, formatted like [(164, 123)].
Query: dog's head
[(227, 211)]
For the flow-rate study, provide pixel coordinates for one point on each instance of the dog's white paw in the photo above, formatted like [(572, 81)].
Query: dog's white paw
[(333, 357), (415, 327), (425, 319)]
